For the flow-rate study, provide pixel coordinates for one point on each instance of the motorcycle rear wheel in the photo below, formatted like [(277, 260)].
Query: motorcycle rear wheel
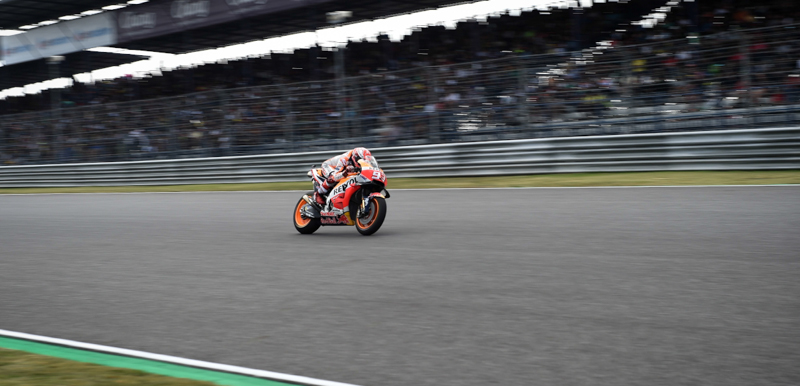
[(304, 225), (372, 221)]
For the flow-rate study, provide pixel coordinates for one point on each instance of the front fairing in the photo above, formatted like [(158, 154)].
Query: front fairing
[(370, 172)]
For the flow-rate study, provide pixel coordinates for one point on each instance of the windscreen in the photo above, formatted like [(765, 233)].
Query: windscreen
[(369, 161)]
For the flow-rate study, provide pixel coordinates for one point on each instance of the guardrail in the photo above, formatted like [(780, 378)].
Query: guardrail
[(777, 148)]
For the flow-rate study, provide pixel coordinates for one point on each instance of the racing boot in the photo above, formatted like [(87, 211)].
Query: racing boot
[(319, 199)]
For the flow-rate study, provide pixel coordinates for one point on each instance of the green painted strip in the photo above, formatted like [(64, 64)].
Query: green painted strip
[(145, 365)]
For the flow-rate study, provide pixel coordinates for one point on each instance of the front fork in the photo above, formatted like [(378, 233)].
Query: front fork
[(365, 203), (364, 209)]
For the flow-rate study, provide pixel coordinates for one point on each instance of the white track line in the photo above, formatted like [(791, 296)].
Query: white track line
[(392, 190), (176, 360)]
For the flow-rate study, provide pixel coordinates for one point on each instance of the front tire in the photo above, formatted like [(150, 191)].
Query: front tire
[(373, 220), (304, 225)]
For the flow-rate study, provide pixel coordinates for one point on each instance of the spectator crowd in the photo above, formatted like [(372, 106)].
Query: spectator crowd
[(505, 72)]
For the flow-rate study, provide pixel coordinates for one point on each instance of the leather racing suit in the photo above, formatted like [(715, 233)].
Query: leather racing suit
[(334, 169)]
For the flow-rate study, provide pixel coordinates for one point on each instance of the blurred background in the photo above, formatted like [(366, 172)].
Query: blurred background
[(650, 286), (637, 66)]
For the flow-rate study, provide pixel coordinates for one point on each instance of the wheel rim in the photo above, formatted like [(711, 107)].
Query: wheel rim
[(298, 218), (373, 214)]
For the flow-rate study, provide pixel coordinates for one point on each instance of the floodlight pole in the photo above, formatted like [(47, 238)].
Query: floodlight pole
[(290, 118), (744, 68), (433, 120), (337, 18), (522, 73), (340, 89), (54, 63)]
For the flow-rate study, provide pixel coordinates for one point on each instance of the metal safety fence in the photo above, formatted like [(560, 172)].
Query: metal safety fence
[(761, 149), (733, 80)]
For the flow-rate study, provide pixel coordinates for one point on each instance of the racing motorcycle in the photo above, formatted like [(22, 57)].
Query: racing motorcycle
[(358, 199)]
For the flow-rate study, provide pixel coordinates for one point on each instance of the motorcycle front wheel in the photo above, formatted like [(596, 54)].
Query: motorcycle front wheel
[(303, 224), (370, 222)]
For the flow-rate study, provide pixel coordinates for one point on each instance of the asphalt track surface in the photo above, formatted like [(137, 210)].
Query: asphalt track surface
[(647, 286)]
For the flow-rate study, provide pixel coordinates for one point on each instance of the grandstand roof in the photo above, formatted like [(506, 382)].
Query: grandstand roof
[(16, 13), (280, 23), (22, 74)]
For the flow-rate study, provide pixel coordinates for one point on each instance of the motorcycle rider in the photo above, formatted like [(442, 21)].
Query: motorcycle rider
[(334, 169)]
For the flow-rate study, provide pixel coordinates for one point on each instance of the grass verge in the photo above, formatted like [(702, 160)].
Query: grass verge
[(24, 362), (19, 368), (779, 177)]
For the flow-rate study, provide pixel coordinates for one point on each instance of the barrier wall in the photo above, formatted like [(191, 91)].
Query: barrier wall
[(761, 149)]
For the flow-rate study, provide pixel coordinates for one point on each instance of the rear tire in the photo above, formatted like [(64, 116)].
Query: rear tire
[(303, 225), (373, 221)]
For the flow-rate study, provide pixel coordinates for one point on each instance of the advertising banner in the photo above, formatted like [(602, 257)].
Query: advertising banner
[(169, 16), (58, 39)]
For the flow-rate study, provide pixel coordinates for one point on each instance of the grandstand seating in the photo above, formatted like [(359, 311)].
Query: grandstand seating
[(500, 79)]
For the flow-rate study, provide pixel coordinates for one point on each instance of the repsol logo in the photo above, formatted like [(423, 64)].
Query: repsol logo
[(341, 188), (137, 20), (187, 8)]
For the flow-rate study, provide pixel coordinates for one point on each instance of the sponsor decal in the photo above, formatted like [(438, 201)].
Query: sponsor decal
[(341, 188), (182, 9), (18, 49), (333, 220), (239, 3), (164, 17), (54, 42), (70, 36), (83, 35), (80, 36), (332, 212), (137, 20)]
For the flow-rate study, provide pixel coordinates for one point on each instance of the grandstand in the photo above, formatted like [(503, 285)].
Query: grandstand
[(508, 77)]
